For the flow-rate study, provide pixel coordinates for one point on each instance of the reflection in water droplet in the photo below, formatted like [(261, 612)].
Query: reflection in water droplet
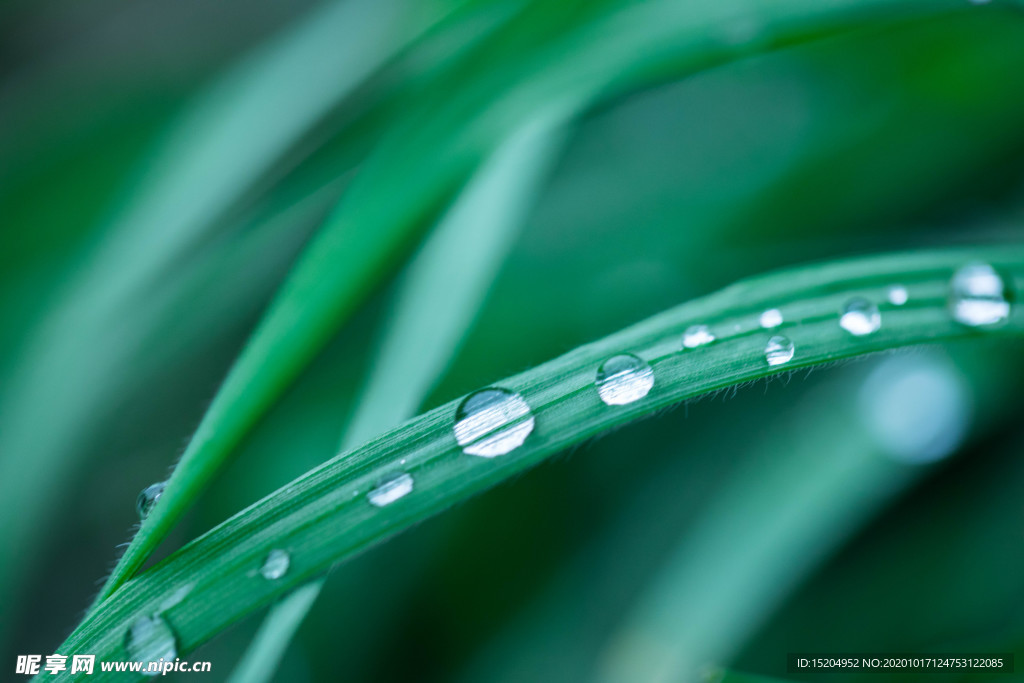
[(779, 350), (148, 498), (771, 318), (623, 379), (176, 597), (917, 407), (860, 317), (276, 565), (697, 335), (390, 490), (978, 296), (898, 295), (150, 639), (492, 422)]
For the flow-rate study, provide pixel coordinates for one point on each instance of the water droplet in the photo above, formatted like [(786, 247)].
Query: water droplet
[(979, 2), (492, 422), (697, 335), (390, 490), (918, 408), (771, 318), (623, 379), (779, 350), (860, 317), (148, 498), (276, 565), (978, 295), (898, 295), (150, 639)]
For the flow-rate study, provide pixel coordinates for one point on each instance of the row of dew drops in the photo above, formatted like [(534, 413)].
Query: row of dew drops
[(495, 421)]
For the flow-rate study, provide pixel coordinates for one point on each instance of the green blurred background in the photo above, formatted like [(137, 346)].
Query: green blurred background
[(772, 521)]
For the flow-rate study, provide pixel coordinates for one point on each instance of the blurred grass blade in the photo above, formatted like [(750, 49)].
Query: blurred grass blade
[(817, 478), (324, 516), (588, 55), (260, 661), (437, 299), (226, 142)]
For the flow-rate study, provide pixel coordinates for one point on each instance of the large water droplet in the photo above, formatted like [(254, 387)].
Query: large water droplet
[(898, 295), (276, 565), (978, 295), (492, 422), (390, 490), (623, 379), (860, 317), (697, 335), (150, 639), (148, 498), (918, 408), (779, 350), (771, 318)]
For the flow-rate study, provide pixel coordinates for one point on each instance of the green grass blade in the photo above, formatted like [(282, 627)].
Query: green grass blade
[(226, 142), (324, 517), (595, 54), (441, 291), (261, 659)]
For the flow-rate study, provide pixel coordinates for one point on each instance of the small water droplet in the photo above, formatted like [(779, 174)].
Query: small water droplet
[(150, 639), (860, 317), (623, 379), (148, 498), (276, 565), (898, 295), (697, 335), (771, 318), (979, 2), (978, 296), (492, 422), (779, 350), (390, 490)]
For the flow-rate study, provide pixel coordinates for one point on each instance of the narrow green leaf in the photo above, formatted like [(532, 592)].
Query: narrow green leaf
[(225, 143), (324, 517)]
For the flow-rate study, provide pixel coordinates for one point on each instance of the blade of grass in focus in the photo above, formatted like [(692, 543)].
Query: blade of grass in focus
[(439, 295), (592, 55), (324, 517)]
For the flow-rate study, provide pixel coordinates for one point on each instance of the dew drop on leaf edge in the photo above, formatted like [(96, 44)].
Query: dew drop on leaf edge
[(977, 296), (779, 350), (148, 498), (697, 335), (898, 295), (391, 489), (276, 564), (492, 422), (860, 317), (150, 639), (770, 318), (623, 379)]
